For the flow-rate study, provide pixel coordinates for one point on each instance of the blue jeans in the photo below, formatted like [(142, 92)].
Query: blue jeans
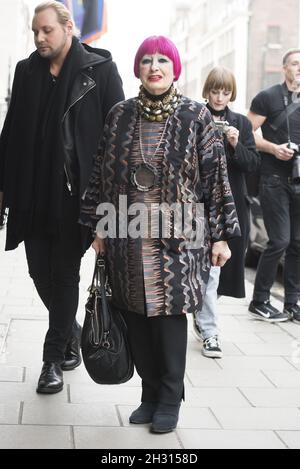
[(206, 319)]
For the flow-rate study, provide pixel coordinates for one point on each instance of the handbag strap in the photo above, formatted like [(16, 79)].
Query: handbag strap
[(99, 285)]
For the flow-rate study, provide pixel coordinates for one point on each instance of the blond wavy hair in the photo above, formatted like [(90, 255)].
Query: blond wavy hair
[(63, 14)]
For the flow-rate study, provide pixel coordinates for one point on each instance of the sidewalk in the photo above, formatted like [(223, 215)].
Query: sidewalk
[(249, 399)]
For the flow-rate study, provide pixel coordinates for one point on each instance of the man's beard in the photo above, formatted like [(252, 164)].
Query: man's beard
[(51, 54)]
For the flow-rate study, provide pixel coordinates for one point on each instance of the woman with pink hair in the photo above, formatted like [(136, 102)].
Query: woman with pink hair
[(161, 151)]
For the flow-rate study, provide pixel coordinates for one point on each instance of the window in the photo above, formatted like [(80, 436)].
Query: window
[(205, 71), (273, 35), (228, 61)]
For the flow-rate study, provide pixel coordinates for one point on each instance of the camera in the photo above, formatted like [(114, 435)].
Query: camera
[(296, 163), (222, 126)]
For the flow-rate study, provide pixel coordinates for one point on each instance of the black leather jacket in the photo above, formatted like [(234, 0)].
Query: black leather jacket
[(90, 77)]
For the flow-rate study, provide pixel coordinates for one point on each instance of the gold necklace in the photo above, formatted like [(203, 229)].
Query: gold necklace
[(157, 111)]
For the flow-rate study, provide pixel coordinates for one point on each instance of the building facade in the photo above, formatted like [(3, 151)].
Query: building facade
[(15, 43), (247, 36), (272, 31)]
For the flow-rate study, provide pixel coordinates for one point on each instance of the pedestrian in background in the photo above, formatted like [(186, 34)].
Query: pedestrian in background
[(161, 148), (276, 111), (61, 95), (242, 158)]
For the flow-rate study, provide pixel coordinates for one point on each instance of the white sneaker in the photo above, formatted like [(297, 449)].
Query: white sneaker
[(211, 348)]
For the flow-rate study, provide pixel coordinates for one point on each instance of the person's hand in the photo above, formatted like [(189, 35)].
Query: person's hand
[(282, 152), (1, 200), (98, 245), (232, 135), (220, 254)]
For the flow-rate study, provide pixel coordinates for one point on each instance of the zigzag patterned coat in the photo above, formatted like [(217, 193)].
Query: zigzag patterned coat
[(162, 275)]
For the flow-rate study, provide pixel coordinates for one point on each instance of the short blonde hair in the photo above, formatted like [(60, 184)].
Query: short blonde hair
[(63, 14), (288, 54), (220, 78)]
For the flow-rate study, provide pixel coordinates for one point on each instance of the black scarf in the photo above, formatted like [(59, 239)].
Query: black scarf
[(216, 113), (40, 170)]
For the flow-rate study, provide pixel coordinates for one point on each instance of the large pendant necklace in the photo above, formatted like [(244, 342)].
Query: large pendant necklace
[(160, 109), (145, 176)]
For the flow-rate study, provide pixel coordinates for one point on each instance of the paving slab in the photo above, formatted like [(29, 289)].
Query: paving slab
[(258, 419), (35, 437), (256, 363), (9, 412), (11, 373), (11, 392), (216, 439), (291, 439), (123, 438), (228, 378), (36, 413), (272, 397), (284, 379)]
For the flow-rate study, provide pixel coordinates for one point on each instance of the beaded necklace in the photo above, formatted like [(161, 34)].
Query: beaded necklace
[(157, 110)]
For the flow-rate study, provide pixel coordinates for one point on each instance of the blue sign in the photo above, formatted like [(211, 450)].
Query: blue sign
[(89, 17)]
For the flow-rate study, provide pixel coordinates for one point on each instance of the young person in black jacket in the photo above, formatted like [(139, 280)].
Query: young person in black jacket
[(60, 98), (242, 157)]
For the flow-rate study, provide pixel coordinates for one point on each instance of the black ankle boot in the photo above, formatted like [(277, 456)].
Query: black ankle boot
[(51, 379), (72, 353), (165, 418), (144, 413)]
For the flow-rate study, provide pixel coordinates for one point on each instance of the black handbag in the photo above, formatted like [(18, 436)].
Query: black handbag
[(105, 349)]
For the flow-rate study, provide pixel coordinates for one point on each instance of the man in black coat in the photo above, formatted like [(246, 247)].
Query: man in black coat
[(60, 98)]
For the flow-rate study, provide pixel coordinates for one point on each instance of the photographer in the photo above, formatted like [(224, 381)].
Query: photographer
[(235, 129), (277, 111)]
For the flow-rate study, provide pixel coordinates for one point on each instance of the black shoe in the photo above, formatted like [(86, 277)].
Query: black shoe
[(72, 353), (293, 312), (144, 413), (165, 418), (266, 312), (51, 379)]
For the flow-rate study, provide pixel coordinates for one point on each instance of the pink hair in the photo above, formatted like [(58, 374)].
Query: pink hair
[(161, 45)]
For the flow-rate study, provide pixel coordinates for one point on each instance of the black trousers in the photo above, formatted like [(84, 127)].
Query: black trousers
[(54, 264), (159, 352), (280, 202)]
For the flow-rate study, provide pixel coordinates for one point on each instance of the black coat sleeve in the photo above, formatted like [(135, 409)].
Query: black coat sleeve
[(113, 92), (7, 125), (244, 156), (217, 195), (93, 194)]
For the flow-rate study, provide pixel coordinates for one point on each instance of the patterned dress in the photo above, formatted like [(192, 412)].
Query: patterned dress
[(161, 274)]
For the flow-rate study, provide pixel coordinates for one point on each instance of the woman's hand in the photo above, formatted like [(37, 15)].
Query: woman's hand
[(232, 135), (99, 245), (220, 254)]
